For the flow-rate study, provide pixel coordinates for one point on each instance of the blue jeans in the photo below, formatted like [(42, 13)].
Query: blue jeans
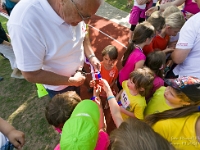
[(69, 88)]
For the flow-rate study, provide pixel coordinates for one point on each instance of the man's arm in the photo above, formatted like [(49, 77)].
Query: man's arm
[(179, 55), (90, 54), (50, 78)]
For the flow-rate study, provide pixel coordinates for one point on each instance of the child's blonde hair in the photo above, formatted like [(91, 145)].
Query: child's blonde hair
[(181, 95), (175, 20), (136, 134), (157, 20), (142, 78), (169, 10)]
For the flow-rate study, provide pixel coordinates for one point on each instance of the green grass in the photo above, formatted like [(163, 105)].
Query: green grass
[(4, 22), (21, 107), (120, 4)]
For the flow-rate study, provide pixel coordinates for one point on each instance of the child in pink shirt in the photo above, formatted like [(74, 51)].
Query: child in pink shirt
[(156, 62), (134, 57)]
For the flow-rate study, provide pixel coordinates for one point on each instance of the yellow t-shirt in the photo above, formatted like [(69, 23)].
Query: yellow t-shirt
[(135, 104), (179, 131), (157, 103)]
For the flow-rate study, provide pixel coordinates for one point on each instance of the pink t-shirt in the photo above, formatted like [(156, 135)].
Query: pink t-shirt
[(191, 7), (135, 56), (102, 143), (157, 83)]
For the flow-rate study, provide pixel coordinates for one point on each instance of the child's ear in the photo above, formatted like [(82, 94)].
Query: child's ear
[(148, 40), (141, 89), (167, 27)]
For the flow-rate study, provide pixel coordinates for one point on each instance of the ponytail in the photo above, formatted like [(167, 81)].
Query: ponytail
[(173, 113), (129, 50)]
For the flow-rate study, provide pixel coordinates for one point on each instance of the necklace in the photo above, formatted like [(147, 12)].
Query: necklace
[(137, 46)]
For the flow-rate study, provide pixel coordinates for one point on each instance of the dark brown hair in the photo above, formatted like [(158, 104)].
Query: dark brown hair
[(173, 113), (142, 78), (141, 33), (60, 108), (156, 62), (111, 51), (135, 134)]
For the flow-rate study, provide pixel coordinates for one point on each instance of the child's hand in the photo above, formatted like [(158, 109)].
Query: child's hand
[(92, 83), (97, 90), (105, 85), (17, 138)]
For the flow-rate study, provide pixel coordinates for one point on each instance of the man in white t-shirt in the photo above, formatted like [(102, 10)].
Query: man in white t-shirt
[(187, 52), (49, 39)]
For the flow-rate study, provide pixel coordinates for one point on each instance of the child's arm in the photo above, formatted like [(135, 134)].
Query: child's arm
[(112, 84), (168, 50), (114, 107), (139, 64), (15, 137), (128, 113), (118, 95), (96, 93)]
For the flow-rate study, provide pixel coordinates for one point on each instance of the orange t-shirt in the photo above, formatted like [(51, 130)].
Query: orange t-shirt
[(160, 43), (148, 49), (109, 75), (157, 43)]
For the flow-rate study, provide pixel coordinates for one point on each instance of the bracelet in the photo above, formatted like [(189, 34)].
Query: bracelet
[(158, 8), (93, 98), (119, 103), (90, 56), (110, 97)]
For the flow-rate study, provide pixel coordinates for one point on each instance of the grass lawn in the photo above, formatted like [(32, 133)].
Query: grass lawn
[(120, 4), (21, 107)]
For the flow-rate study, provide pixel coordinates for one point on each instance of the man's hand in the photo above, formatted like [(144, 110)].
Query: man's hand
[(17, 138), (95, 63), (77, 80)]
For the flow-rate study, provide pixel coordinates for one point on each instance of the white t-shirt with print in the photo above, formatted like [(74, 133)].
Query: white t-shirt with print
[(42, 40), (189, 38)]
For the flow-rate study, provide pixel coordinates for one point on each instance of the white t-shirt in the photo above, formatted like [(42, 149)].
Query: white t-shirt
[(140, 6), (42, 40), (190, 39)]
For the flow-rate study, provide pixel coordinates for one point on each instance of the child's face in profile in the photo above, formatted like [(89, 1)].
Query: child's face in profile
[(171, 97), (108, 63), (172, 31), (131, 86)]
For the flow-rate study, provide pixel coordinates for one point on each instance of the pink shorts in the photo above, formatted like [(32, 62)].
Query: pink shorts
[(102, 143), (135, 14)]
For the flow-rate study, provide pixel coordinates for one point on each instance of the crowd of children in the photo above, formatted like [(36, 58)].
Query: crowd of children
[(148, 110)]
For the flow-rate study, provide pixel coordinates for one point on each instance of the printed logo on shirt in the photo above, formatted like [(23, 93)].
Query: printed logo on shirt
[(182, 44), (124, 100), (112, 73)]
